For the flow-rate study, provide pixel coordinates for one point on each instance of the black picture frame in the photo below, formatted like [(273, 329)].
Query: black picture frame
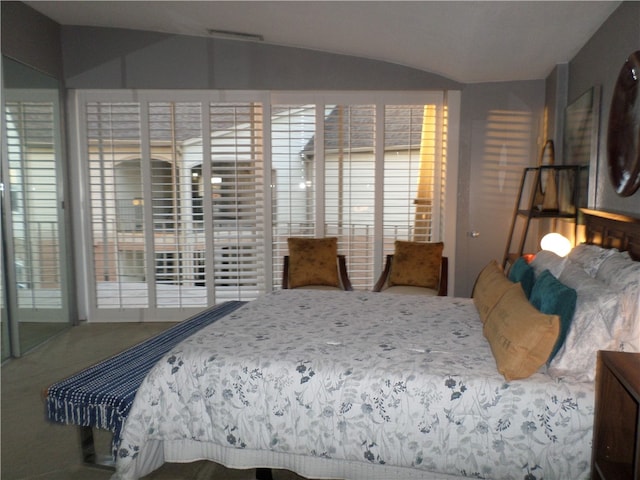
[(580, 142)]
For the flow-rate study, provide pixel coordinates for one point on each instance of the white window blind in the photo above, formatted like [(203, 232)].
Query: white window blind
[(178, 205), (237, 196), (381, 180), (114, 147), (413, 169), (177, 216), (175, 152), (293, 186), (350, 168)]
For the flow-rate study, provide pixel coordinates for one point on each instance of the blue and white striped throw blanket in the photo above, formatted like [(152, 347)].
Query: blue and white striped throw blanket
[(101, 395)]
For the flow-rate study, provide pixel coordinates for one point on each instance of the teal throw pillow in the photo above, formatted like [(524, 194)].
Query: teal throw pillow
[(552, 297), (521, 272)]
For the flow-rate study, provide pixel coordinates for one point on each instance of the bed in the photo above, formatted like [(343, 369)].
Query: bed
[(361, 385), (339, 392)]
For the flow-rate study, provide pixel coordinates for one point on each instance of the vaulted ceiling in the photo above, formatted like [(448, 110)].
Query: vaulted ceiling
[(466, 41)]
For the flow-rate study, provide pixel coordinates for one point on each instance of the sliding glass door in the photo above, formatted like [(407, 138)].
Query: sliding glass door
[(187, 198), (365, 169)]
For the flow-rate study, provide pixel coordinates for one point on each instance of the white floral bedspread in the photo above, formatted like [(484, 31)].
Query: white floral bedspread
[(400, 380)]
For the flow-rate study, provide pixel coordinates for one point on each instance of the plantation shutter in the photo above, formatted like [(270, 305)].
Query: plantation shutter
[(237, 197), (370, 173), (350, 167), (117, 223), (175, 153), (179, 216), (413, 172), (293, 186), (177, 202)]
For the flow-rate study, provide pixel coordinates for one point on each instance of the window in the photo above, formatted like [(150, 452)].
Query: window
[(350, 178), (412, 169), (373, 172), (176, 217), (179, 215), (293, 184)]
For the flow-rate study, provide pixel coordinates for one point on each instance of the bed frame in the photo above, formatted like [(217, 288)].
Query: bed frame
[(613, 230)]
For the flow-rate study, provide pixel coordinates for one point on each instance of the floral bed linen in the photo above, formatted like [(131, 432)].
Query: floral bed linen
[(392, 380)]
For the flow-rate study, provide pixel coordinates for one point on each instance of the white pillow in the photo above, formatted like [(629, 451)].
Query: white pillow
[(590, 257), (595, 322), (546, 260), (623, 275)]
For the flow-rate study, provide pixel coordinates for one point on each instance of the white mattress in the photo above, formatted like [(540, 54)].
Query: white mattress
[(355, 385)]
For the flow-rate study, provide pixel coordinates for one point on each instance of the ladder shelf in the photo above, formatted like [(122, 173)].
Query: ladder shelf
[(546, 192)]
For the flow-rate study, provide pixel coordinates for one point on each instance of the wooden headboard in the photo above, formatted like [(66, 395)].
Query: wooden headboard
[(613, 230)]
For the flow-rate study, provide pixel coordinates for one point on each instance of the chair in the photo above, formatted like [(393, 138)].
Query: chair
[(314, 263), (404, 278), (343, 277), (382, 285)]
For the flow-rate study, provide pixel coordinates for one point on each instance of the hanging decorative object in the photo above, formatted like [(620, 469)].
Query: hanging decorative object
[(623, 137)]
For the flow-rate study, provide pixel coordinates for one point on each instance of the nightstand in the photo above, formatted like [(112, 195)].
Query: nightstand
[(616, 442)]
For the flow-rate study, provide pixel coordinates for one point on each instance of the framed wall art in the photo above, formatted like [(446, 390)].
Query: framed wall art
[(580, 147)]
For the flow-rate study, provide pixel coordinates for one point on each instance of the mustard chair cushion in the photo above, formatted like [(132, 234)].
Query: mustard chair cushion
[(416, 264), (312, 261)]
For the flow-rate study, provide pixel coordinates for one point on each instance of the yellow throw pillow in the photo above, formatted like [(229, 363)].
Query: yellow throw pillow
[(521, 338), (416, 264), (490, 286), (313, 261)]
